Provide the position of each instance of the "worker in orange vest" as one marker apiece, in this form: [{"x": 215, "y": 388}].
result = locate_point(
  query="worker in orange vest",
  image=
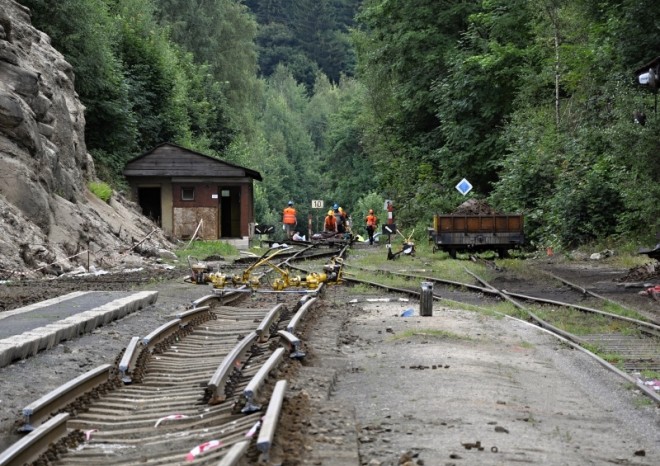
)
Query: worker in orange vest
[
  {"x": 372, "y": 222},
  {"x": 289, "y": 220},
  {"x": 330, "y": 224}
]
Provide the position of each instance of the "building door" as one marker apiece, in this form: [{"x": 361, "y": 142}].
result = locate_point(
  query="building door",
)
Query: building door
[
  {"x": 230, "y": 211},
  {"x": 149, "y": 202}
]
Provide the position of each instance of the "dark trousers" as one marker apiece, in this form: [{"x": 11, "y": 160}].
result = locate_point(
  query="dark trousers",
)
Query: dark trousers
[{"x": 370, "y": 232}]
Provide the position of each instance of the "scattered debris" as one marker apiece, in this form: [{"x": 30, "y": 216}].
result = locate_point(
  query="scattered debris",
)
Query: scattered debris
[
  {"x": 596, "y": 256},
  {"x": 470, "y": 446},
  {"x": 653, "y": 292},
  {"x": 644, "y": 273}
]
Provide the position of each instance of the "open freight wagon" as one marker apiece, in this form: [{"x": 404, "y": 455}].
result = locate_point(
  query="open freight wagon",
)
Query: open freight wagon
[{"x": 473, "y": 233}]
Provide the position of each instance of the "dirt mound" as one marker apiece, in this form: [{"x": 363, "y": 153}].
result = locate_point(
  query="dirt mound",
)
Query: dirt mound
[
  {"x": 643, "y": 273},
  {"x": 475, "y": 207}
]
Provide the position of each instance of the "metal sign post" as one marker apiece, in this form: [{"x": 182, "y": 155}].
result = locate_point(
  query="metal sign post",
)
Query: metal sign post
[{"x": 316, "y": 204}]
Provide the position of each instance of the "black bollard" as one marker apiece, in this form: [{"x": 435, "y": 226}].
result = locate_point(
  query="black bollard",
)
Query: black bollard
[{"x": 426, "y": 300}]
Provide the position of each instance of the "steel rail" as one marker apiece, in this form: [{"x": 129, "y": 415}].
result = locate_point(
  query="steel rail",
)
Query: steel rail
[
  {"x": 251, "y": 391},
  {"x": 574, "y": 342},
  {"x": 174, "y": 383},
  {"x": 488, "y": 289},
  {"x": 235, "y": 453},
  {"x": 162, "y": 333},
  {"x": 641, "y": 323},
  {"x": 229, "y": 296},
  {"x": 195, "y": 316},
  {"x": 508, "y": 296},
  {"x": 485, "y": 289},
  {"x": 264, "y": 330},
  {"x": 33, "y": 445},
  {"x": 591, "y": 293},
  {"x": 386, "y": 287},
  {"x": 236, "y": 358},
  {"x": 271, "y": 418},
  {"x": 128, "y": 360},
  {"x": 425, "y": 278},
  {"x": 293, "y": 344},
  {"x": 297, "y": 318},
  {"x": 64, "y": 395}
]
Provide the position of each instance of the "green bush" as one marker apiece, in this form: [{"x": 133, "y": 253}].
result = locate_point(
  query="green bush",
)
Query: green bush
[{"x": 101, "y": 190}]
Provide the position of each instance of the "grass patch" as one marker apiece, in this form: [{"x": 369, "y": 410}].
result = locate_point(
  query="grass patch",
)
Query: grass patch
[
  {"x": 628, "y": 261},
  {"x": 650, "y": 375},
  {"x": 614, "y": 308},
  {"x": 582, "y": 323},
  {"x": 613, "y": 358},
  {"x": 384, "y": 279},
  {"x": 101, "y": 190},
  {"x": 424, "y": 263},
  {"x": 643, "y": 402},
  {"x": 204, "y": 249},
  {"x": 362, "y": 289}
]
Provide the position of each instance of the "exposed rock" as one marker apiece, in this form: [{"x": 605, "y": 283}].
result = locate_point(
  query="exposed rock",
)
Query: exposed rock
[{"x": 49, "y": 221}]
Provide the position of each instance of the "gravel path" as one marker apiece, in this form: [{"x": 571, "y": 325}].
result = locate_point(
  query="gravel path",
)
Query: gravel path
[{"x": 431, "y": 386}]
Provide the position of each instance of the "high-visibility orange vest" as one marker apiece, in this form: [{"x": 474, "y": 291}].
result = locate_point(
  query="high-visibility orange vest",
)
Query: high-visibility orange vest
[
  {"x": 289, "y": 216},
  {"x": 372, "y": 220},
  {"x": 330, "y": 223}
]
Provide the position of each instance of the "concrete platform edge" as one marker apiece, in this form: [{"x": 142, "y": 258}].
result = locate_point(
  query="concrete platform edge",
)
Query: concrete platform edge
[{"x": 30, "y": 343}]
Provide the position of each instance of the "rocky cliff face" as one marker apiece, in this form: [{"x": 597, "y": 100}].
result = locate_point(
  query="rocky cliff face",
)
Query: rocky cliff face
[{"x": 47, "y": 214}]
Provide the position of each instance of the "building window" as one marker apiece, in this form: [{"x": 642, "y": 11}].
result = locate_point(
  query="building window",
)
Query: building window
[{"x": 187, "y": 194}]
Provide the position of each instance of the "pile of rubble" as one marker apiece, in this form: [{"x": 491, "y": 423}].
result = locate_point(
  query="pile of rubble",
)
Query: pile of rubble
[
  {"x": 646, "y": 273},
  {"x": 475, "y": 207}
]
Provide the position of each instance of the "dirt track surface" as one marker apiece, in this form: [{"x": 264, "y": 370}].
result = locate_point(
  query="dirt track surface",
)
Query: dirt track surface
[{"x": 377, "y": 389}]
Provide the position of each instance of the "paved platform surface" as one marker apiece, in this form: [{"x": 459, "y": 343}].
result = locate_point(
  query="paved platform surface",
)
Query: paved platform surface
[{"x": 26, "y": 331}]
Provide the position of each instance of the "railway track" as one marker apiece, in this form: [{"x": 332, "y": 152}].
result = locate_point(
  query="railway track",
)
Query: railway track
[
  {"x": 197, "y": 388},
  {"x": 169, "y": 414},
  {"x": 629, "y": 346}
]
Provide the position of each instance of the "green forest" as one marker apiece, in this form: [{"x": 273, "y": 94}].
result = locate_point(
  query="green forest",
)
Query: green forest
[{"x": 357, "y": 101}]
